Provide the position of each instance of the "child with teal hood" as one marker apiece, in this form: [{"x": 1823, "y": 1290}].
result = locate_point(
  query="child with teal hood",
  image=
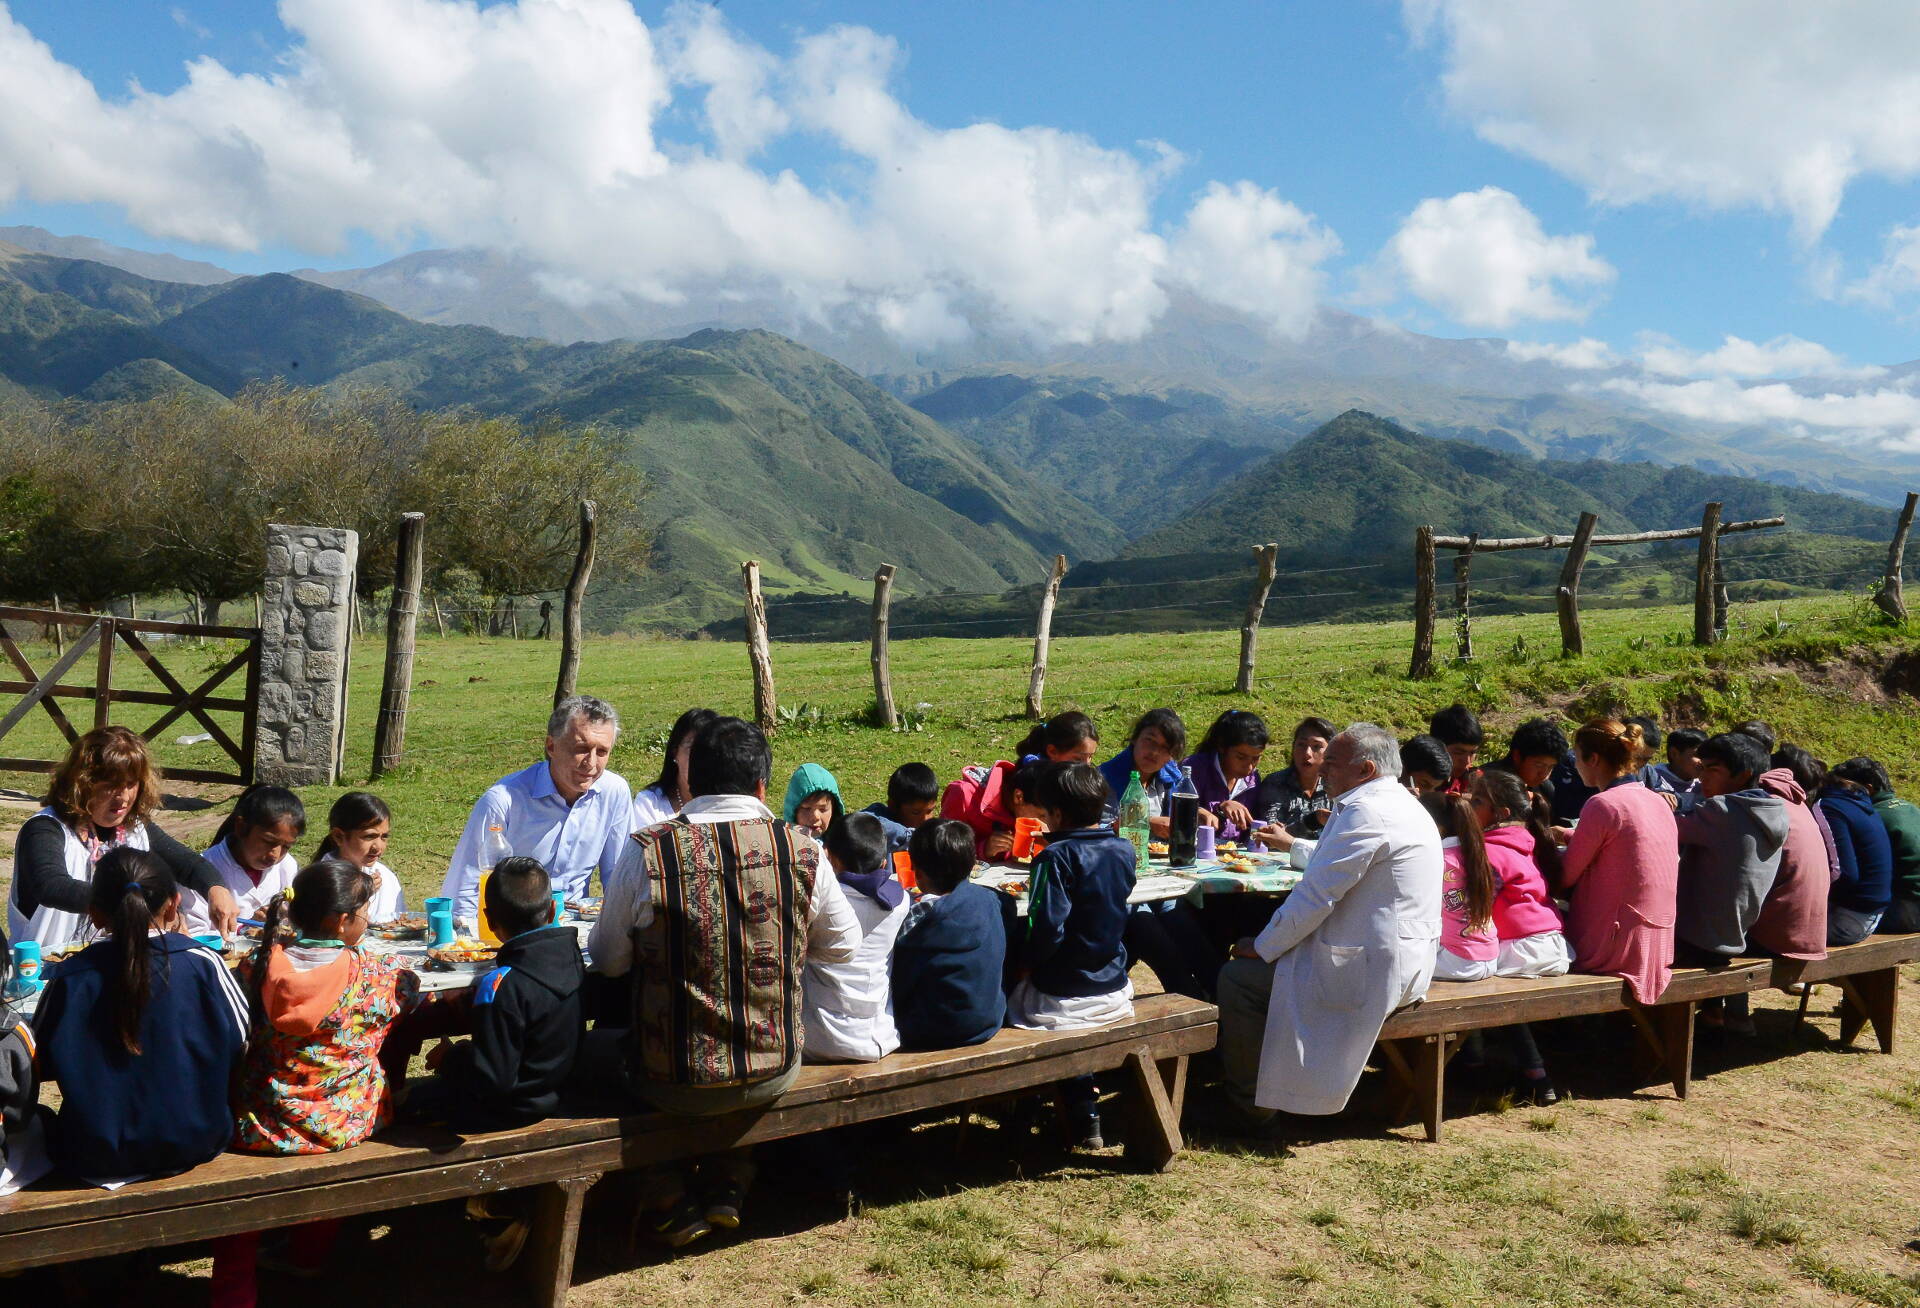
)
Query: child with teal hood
[{"x": 813, "y": 799}]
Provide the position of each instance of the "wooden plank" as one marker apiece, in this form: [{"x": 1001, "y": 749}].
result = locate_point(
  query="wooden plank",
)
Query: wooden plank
[
  {"x": 61, "y": 667},
  {"x": 1870, "y": 997},
  {"x": 103, "y": 676},
  {"x": 548, "y": 1258},
  {"x": 1631, "y": 538},
  {"x": 70, "y": 619},
  {"x": 1842, "y": 960},
  {"x": 250, "y": 715},
  {"x": 19, "y": 661},
  {"x": 151, "y": 697},
  {"x": 1153, "y": 1134},
  {"x": 1475, "y": 1005},
  {"x": 1430, "y": 1081},
  {"x": 190, "y": 702}
]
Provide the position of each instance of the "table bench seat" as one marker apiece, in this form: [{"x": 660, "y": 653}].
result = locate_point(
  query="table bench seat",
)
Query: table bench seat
[
  {"x": 1417, "y": 1042},
  {"x": 59, "y": 1221}
]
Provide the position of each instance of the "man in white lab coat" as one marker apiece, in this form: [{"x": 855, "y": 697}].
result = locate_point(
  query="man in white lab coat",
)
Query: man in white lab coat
[{"x": 1302, "y": 1003}]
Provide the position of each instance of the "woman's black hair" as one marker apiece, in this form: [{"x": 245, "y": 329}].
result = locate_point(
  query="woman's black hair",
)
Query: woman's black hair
[
  {"x": 131, "y": 888},
  {"x": 1426, "y": 754},
  {"x": 1505, "y": 793},
  {"x": 1456, "y": 725},
  {"x": 320, "y": 890},
  {"x": 1809, "y": 773},
  {"x": 260, "y": 805},
  {"x": 1028, "y": 778},
  {"x": 354, "y": 811},
  {"x": 1864, "y": 772},
  {"x": 1234, "y": 727},
  {"x": 1168, "y": 724},
  {"x": 1061, "y": 731},
  {"x": 685, "y": 728}
]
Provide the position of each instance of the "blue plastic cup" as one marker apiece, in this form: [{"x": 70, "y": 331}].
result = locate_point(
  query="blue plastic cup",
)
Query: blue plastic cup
[
  {"x": 26, "y": 977},
  {"x": 437, "y": 904},
  {"x": 440, "y": 928},
  {"x": 559, "y": 906},
  {"x": 215, "y": 943}
]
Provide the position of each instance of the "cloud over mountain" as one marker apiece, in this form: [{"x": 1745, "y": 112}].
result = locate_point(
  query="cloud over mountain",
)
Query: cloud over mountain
[{"x": 557, "y": 130}]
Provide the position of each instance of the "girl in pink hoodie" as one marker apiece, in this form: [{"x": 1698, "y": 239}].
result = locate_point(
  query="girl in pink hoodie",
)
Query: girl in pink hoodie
[
  {"x": 1532, "y": 936},
  {"x": 1468, "y": 949}
]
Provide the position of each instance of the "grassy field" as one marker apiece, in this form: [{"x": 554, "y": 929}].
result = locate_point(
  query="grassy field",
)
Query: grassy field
[{"x": 1788, "y": 1178}]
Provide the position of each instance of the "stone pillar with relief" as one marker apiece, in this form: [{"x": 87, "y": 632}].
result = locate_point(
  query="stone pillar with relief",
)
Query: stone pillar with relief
[{"x": 306, "y": 626}]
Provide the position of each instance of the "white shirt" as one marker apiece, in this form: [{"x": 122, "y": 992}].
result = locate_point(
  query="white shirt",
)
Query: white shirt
[
  {"x": 650, "y": 806},
  {"x": 833, "y": 932},
  {"x": 253, "y": 896},
  {"x": 849, "y": 1006},
  {"x": 569, "y": 840}
]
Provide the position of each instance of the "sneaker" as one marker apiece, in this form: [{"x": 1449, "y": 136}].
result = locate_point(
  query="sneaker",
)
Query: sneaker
[
  {"x": 678, "y": 1226},
  {"x": 1537, "y": 1091},
  {"x": 723, "y": 1205},
  {"x": 503, "y": 1249},
  {"x": 1740, "y": 1024},
  {"x": 1086, "y": 1128}
]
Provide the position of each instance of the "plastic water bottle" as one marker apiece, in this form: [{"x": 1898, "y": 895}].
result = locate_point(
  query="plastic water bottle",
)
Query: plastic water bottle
[
  {"x": 1183, "y": 807},
  {"x": 492, "y": 850},
  {"x": 1135, "y": 814}
]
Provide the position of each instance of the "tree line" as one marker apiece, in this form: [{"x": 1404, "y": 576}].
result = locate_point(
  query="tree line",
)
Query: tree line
[{"x": 173, "y": 493}]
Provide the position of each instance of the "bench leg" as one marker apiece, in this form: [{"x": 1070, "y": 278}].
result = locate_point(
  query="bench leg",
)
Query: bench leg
[
  {"x": 548, "y": 1257},
  {"x": 1423, "y": 1079},
  {"x": 1665, "y": 1051},
  {"x": 1155, "y": 1092},
  {"x": 1870, "y": 997}
]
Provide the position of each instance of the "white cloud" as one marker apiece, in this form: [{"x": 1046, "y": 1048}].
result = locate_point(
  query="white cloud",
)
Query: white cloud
[
  {"x": 1586, "y": 354},
  {"x": 1482, "y": 258},
  {"x": 1248, "y": 249},
  {"x": 1783, "y": 356},
  {"x": 1776, "y": 104},
  {"x": 620, "y": 159},
  {"x": 1896, "y": 276},
  {"x": 1888, "y": 417}
]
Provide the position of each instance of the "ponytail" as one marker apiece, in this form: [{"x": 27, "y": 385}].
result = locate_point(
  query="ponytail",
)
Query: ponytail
[
  {"x": 1060, "y": 732},
  {"x": 328, "y": 888},
  {"x": 1509, "y": 800},
  {"x": 262, "y": 804},
  {"x": 131, "y": 889}
]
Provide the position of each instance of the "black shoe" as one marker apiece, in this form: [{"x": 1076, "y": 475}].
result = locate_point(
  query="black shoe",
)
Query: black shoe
[
  {"x": 1086, "y": 1128},
  {"x": 675, "y": 1227},
  {"x": 1537, "y": 1091}
]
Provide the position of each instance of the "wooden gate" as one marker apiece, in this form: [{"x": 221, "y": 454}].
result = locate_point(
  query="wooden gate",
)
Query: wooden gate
[{"x": 97, "y": 641}]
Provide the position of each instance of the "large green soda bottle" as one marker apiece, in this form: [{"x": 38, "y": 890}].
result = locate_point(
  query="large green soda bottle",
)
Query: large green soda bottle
[{"x": 1135, "y": 813}]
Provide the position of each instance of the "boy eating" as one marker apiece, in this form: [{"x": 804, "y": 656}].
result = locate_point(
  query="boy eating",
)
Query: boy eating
[
  {"x": 913, "y": 797},
  {"x": 951, "y": 954}
]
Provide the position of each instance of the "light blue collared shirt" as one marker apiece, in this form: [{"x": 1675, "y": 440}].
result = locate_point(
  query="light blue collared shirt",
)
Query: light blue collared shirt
[{"x": 570, "y": 840}]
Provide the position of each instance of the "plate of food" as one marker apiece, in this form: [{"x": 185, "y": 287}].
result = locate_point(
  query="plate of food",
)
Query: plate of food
[
  {"x": 408, "y": 926},
  {"x": 1017, "y": 886},
  {"x": 584, "y": 909},
  {"x": 461, "y": 954},
  {"x": 1158, "y": 848}
]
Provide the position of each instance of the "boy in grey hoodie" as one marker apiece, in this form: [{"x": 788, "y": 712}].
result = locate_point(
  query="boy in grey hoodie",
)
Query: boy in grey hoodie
[{"x": 1729, "y": 852}]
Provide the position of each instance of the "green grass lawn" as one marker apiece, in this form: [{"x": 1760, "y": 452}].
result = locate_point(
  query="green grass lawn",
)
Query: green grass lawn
[{"x": 479, "y": 705}]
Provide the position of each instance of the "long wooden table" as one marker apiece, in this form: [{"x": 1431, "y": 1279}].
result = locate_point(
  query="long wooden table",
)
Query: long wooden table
[
  {"x": 60, "y": 1220},
  {"x": 1419, "y": 1041}
]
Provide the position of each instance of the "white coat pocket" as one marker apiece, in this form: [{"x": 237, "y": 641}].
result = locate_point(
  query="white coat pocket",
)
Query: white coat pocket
[{"x": 1339, "y": 976}]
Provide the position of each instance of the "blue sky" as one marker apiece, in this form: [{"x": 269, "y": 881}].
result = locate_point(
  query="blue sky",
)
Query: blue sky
[{"x": 1334, "y": 108}]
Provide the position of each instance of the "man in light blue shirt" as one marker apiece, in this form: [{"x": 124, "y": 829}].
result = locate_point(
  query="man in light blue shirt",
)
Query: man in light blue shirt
[{"x": 567, "y": 811}]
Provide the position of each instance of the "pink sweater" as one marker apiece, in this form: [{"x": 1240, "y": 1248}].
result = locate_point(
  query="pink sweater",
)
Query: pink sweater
[
  {"x": 1793, "y": 920},
  {"x": 1475, "y": 947},
  {"x": 1622, "y": 868},
  {"x": 1522, "y": 908}
]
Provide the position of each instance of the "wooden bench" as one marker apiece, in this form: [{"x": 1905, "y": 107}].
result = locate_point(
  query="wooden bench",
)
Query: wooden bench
[
  {"x": 1418, "y": 1042},
  {"x": 61, "y": 1221}
]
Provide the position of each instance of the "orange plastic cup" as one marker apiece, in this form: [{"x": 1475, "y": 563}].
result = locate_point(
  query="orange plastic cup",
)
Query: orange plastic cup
[
  {"x": 1025, "y": 830},
  {"x": 903, "y": 869}
]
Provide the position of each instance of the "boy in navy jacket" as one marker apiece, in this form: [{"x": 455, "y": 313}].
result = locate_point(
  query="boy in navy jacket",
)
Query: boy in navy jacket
[
  {"x": 1076, "y": 920},
  {"x": 527, "y": 1017},
  {"x": 951, "y": 954}
]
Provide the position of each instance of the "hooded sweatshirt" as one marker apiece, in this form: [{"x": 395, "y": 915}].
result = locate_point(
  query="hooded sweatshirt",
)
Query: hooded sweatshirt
[
  {"x": 948, "y": 962},
  {"x": 1729, "y": 855},
  {"x": 1522, "y": 907},
  {"x": 19, "y": 1090},
  {"x": 810, "y": 779},
  {"x": 980, "y": 797},
  {"x": 1865, "y": 883},
  {"x": 527, "y": 1023},
  {"x": 1902, "y": 821},
  {"x": 1793, "y": 921}
]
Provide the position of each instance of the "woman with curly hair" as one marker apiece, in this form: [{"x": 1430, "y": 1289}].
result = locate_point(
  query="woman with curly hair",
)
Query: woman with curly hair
[{"x": 102, "y": 796}]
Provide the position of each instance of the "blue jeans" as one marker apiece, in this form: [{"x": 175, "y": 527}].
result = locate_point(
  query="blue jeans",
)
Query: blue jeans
[{"x": 1845, "y": 926}]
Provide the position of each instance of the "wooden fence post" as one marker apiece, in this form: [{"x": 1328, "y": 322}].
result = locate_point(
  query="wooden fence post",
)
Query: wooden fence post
[
  {"x": 1703, "y": 574},
  {"x": 1463, "y": 601},
  {"x": 759, "y": 651},
  {"x": 403, "y": 617},
  {"x": 575, "y": 601},
  {"x": 1567, "y": 597},
  {"x": 59, "y": 632},
  {"x": 1422, "y": 665},
  {"x": 1891, "y": 597},
  {"x": 1719, "y": 597},
  {"x": 439, "y": 618},
  {"x": 1256, "y": 606},
  {"x": 1043, "y": 631},
  {"x": 882, "y": 674}
]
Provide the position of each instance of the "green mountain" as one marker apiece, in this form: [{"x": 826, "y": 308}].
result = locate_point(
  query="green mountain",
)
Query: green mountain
[{"x": 758, "y": 447}]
